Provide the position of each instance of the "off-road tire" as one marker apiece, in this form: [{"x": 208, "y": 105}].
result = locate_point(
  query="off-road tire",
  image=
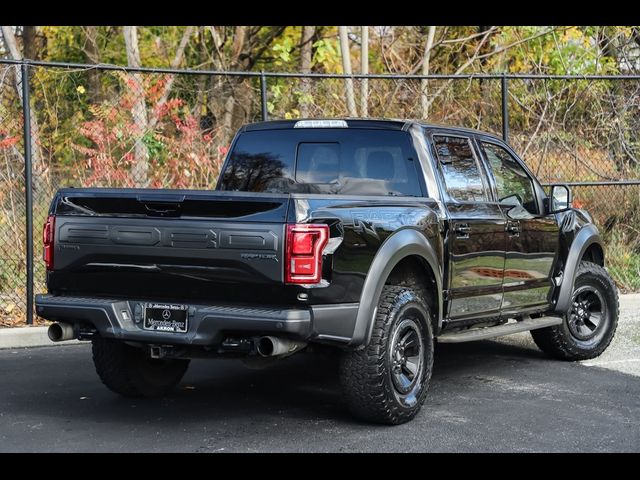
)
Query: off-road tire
[
  {"x": 559, "y": 341},
  {"x": 366, "y": 375},
  {"x": 130, "y": 372}
]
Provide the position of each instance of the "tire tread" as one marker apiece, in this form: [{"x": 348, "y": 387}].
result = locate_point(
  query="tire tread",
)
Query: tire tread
[
  {"x": 554, "y": 341},
  {"x": 116, "y": 363},
  {"x": 362, "y": 372}
]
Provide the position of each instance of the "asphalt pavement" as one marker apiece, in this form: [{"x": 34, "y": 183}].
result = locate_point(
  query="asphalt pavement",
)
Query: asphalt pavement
[{"x": 492, "y": 396}]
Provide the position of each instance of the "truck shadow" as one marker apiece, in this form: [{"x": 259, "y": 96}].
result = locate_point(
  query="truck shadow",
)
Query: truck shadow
[{"x": 303, "y": 387}]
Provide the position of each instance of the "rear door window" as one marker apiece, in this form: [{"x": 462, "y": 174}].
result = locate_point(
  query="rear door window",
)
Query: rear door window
[
  {"x": 460, "y": 168},
  {"x": 329, "y": 161}
]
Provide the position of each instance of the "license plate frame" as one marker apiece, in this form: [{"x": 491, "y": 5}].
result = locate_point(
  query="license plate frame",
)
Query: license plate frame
[{"x": 166, "y": 317}]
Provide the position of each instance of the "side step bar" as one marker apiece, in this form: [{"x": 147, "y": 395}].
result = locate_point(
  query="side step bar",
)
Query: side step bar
[{"x": 492, "y": 332}]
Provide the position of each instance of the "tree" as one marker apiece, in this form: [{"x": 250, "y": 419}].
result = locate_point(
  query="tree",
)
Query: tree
[
  {"x": 364, "y": 69},
  {"x": 92, "y": 55},
  {"x": 40, "y": 172},
  {"x": 29, "y": 42},
  {"x": 306, "y": 56},
  {"x": 424, "y": 84},
  {"x": 346, "y": 69},
  {"x": 140, "y": 170},
  {"x": 237, "y": 46},
  {"x": 145, "y": 123}
]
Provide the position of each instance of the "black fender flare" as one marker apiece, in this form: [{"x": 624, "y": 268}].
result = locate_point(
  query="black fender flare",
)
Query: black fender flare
[
  {"x": 397, "y": 246},
  {"x": 587, "y": 236}
]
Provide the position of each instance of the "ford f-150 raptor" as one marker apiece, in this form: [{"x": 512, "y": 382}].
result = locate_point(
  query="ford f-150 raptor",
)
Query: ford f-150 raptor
[{"x": 375, "y": 237}]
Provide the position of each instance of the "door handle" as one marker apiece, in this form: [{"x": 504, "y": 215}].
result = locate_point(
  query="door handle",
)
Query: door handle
[
  {"x": 513, "y": 229},
  {"x": 462, "y": 230}
]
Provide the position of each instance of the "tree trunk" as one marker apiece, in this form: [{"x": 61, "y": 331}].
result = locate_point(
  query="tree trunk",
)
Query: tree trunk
[
  {"x": 92, "y": 55},
  {"x": 216, "y": 83},
  {"x": 346, "y": 67},
  {"x": 364, "y": 69},
  {"x": 40, "y": 172},
  {"x": 485, "y": 85},
  {"x": 617, "y": 148},
  {"x": 29, "y": 46},
  {"x": 306, "y": 55},
  {"x": 424, "y": 84},
  {"x": 140, "y": 170},
  {"x": 239, "y": 38}
]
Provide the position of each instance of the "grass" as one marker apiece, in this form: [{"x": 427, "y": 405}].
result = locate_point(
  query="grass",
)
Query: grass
[{"x": 622, "y": 254}]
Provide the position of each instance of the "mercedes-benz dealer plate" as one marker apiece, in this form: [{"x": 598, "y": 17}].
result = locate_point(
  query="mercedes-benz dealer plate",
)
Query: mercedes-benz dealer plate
[{"x": 166, "y": 317}]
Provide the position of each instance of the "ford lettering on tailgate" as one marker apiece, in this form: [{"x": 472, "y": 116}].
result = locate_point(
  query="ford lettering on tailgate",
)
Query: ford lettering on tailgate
[{"x": 192, "y": 238}]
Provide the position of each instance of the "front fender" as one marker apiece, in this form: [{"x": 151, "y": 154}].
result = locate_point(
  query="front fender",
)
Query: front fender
[
  {"x": 397, "y": 246},
  {"x": 587, "y": 236}
]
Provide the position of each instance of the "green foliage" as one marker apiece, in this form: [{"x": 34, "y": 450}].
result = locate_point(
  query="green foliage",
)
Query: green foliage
[
  {"x": 326, "y": 55},
  {"x": 64, "y": 43},
  {"x": 283, "y": 48},
  {"x": 156, "y": 148}
]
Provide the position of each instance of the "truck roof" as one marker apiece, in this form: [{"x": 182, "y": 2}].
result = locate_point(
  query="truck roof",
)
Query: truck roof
[{"x": 370, "y": 123}]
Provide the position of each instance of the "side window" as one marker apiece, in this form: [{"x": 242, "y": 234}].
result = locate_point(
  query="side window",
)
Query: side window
[
  {"x": 512, "y": 182},
  {"x": 460, "y": 168}
]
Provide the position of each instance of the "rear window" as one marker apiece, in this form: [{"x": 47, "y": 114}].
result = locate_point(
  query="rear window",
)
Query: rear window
[{"x": 332, "y": 161}]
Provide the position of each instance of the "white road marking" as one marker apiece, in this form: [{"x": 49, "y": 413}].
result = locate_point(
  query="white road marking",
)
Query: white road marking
[{"x": 608, "y": 362}]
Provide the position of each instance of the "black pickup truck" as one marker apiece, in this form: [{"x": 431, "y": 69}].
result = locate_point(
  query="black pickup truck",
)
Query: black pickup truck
[{"x": 373, "y": 237}]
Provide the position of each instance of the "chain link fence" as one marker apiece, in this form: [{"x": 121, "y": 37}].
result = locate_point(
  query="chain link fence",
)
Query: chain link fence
[
  {"x": 13, "y": 214},
  {"x": 106, "y": 126}
]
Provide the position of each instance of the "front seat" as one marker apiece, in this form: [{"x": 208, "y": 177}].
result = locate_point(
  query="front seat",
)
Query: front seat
[{"x": 380, "y": 165}]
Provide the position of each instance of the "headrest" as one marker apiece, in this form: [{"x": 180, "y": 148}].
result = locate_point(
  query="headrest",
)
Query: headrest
[{"x": 380, "y": 165}]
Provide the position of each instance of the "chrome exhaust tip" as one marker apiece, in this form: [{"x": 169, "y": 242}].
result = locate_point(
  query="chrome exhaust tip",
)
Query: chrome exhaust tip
[
  {"x": 274, "y": 346},
  {"x": 59, "y": 332}
]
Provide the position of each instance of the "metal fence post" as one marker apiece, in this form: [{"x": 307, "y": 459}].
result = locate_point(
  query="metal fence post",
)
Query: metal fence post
[
  {"x": 263, "y": 96},
  {"x": 505, "y": 110},
  {"x": 28, "y": 188}
]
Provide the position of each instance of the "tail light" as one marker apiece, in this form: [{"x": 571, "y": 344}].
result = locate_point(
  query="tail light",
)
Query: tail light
[
  {"x": 303, "y": 264},
  {"x": 47, "y": 241}
]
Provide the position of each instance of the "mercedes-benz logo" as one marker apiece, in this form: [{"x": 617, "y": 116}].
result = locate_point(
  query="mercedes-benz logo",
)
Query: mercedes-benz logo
[{"x": 166, "y": 314}]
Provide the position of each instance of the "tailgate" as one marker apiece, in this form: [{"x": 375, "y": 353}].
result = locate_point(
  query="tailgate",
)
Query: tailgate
[{"x": 166, "y": 241}]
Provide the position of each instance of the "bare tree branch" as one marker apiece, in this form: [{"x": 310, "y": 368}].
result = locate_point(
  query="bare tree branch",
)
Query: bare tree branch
[{"x": 476, "y": 56}]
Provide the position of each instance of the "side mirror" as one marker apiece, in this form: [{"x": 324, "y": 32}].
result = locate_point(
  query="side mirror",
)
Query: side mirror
[{"x": 560, "y": 198}]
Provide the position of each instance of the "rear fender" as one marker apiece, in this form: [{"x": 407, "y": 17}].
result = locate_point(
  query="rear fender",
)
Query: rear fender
[{"x": 401, "y": 244}]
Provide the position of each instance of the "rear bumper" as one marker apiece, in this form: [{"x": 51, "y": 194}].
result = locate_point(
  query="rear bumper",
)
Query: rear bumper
[{"x": 208, "y": 324}]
